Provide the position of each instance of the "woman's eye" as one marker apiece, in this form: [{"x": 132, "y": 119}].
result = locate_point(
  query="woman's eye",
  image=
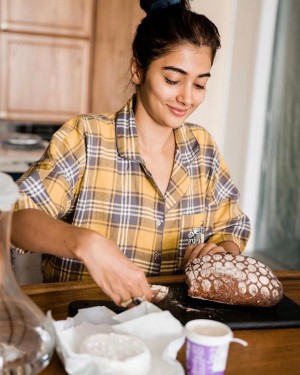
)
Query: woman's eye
[
  {"x": 170, "y": 82},
  {"x": 200, "y": 87}
]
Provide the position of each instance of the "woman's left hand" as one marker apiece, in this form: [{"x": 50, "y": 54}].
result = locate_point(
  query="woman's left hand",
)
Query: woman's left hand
[{"x": 194, "y": 251}]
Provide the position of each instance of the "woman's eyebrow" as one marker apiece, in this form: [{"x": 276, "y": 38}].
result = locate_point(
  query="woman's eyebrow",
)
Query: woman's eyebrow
[{"x": 179, "y": 70}]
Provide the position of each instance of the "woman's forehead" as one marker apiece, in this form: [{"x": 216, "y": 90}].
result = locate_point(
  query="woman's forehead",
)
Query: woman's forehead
[{"x": 186, "y": 57}]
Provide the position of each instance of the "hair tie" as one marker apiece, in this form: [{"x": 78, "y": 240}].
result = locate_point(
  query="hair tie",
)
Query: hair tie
[{"x": 163, "y": 4}]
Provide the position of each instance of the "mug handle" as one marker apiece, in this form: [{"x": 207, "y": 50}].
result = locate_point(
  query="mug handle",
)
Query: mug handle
[{"x": 239, "y": 341}]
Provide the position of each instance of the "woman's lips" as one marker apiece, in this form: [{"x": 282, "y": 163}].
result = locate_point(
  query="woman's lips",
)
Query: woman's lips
[{"x": 177, "y": 111}]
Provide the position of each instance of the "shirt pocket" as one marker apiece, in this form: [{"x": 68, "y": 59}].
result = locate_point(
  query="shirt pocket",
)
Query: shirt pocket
[{"x": 189, "y": 226}]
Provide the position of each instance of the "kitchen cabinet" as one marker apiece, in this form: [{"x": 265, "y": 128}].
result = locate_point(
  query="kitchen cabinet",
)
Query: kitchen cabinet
[
  {"x": 57, "y": 17},
  {"x": 116, "y": 22},
  {"x": 60, "y": 58},
  {"x": 43, "y": 78},
  {"x": 45, "y": 49}
]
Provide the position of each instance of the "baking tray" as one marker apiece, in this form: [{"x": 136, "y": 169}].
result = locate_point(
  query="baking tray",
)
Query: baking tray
[{"x": 285, "y": 314}]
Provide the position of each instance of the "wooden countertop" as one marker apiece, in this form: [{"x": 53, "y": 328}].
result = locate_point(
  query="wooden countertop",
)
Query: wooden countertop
[{"x": 270, "y": 351}]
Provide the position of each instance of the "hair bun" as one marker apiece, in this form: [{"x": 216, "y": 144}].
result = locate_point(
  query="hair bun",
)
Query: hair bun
[
  {"x": 150, "y": 5},
  {"x": 146, "y": 5}
]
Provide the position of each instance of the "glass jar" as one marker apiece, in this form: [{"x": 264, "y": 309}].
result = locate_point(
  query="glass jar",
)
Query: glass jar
[{"x": 27, "y": 336}]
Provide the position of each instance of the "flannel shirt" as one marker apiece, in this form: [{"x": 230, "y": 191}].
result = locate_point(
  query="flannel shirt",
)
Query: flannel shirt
[{"x": 92, "y": 175}]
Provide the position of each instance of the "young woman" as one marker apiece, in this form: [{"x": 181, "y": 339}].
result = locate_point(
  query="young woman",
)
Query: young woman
[{"x": 118, "y": 197}]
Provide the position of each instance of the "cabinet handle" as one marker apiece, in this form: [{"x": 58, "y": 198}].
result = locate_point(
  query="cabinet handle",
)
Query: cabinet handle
[{"x": 4, "y": 26}]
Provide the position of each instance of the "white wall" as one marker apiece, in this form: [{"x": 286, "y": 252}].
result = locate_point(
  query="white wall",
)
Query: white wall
[
  {"x": 250, "y": 171},
  {"x": 234, "y": 109},
  {"x": 212, "y": 113}
]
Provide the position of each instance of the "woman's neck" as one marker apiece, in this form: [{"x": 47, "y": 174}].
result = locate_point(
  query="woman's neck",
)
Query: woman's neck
[
  {"x": 157, "y": 149},
  {"x": 154, "y": 139},
  {"x": 152, "y": 136}
]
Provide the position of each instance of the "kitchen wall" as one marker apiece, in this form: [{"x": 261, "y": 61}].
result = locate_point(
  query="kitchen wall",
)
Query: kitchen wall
[{"x": 235, "y": 107}]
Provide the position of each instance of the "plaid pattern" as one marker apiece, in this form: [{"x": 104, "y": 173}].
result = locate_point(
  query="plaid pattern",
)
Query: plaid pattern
[{"x": 92, "y": 175}]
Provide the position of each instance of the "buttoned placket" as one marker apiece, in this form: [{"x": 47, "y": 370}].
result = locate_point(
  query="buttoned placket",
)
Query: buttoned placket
[
  {"x": 157, "y": 254},
  {"x": 159, "y": 226}
]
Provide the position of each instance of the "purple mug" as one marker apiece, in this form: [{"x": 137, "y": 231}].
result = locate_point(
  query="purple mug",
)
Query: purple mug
[{"x": 207, "y": 344}]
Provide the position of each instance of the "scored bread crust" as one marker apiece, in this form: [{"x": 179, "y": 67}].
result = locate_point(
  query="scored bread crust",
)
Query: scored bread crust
[{"x": 233, "y": 279}]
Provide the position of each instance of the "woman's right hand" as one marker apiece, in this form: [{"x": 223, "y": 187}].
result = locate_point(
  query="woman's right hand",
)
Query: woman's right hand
[{"x": 117, "y": 275}]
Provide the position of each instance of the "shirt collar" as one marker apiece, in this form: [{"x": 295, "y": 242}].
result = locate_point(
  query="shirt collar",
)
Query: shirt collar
[
  {"x": 127, "y": 138},
  {"x": 186, "y": 143},
  {"x": 126, "y": 134}
]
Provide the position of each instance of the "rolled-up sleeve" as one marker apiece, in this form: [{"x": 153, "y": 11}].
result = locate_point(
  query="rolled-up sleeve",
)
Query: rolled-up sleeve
[{"x": 52, "y": 183}]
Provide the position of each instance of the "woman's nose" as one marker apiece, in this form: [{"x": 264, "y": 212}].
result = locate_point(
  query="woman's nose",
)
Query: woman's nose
[{"x": 185, "y": 96}]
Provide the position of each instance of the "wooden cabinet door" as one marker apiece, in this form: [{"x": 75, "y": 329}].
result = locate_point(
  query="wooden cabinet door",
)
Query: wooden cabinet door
[
  {"x": 43, "y": 78},
  {"x": 115, "y": 26},
  {"x": 56, "y": 17}
]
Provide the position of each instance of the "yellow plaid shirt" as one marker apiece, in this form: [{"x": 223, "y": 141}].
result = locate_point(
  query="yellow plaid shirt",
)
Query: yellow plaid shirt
[{"x": 92, "y": 175}]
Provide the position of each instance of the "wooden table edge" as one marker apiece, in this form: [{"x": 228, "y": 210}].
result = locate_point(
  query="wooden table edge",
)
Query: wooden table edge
[{"x": 33, "y": 289}]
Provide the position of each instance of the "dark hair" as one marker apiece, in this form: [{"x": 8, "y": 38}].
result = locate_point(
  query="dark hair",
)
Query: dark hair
[{"x": 167, "y": 26}]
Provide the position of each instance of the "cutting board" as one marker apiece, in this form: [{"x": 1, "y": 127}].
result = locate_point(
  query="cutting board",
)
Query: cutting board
[{"x": 283, "y": 315}]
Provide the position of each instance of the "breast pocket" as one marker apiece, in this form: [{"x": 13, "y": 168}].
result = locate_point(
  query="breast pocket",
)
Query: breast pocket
[{"x": 192, "y": 230}]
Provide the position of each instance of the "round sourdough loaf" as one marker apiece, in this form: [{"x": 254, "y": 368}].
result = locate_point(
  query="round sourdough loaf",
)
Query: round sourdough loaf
[{"x": 233, "y": 279}]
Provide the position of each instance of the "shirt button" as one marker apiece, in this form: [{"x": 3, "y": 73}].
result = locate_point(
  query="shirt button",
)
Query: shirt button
[
  {"x": 156, "y": 255},
  {"x": 158, "y": 222}
]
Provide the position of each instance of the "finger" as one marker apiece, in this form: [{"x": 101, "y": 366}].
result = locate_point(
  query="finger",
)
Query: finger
[
  {"x": 116, "y": 288},
  {"x": 207, "y": 248},
  {"x": 138, "y": 284},
  {"x": 195, "y": 254},
  {"x": 141, "y": 288},
  {"x": 134, "y": 287},
  {"x": 117, "y": 293},
  {"x": 201, "y": 250},
  {"x": 217, "y": 249},
  {"x": 147, "y": 292},
  {"x": 126, "y": 300},
  {"x": 116, "y": 298},
  {"x": 127, "y": 303},
  {"x": 135, "y": 298},
  {"x": 188, "y": 252},
  {"x": 132, "y": 302}
]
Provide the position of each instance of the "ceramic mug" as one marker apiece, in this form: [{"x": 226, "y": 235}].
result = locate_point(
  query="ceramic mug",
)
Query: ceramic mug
[{"x": 207, "y": 344}]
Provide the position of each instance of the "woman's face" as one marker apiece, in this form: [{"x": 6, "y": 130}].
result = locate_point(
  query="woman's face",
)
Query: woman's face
[{"x": 173, "y": 87}]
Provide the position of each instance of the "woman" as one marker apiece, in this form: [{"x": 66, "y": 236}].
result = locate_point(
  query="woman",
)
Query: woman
[{"x": 137, "y": 193}]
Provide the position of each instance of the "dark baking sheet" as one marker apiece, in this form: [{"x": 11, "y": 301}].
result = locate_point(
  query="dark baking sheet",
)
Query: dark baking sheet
[{"x": 283, "y": 315}]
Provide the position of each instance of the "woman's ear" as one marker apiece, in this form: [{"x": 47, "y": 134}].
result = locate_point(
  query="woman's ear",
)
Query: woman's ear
[{"x": 136, "y": 72}]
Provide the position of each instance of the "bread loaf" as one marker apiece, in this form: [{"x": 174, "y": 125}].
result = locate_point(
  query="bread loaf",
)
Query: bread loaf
[
  {"x": 233, "y": 279},
  {"x": 160, "y": 292}
]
